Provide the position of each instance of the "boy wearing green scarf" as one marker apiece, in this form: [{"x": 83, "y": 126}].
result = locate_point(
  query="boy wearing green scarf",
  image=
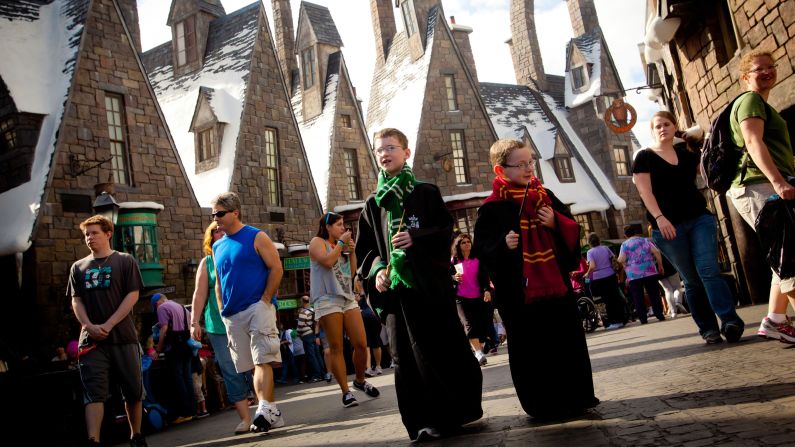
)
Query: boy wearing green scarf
[{"x": 403, "y": 243}]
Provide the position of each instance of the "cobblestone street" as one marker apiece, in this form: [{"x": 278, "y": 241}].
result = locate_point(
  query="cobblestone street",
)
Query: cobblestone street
[{"x": 659, "y": 385}]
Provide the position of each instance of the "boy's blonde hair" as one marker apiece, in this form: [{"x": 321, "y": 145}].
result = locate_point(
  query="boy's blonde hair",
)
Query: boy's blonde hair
[
  {"x": 502, "y": 149},
  {"x": 748, "y": 58},
  {"x": 390, "y": 132}
]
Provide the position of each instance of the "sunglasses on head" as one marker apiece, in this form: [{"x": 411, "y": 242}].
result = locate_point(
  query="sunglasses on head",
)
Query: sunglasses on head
[
  {"x": 220, "y": 213},
  {"x": 329, "y": 214}
]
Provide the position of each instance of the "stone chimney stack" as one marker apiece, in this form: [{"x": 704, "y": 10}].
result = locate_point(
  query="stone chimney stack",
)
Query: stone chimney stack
[
  {"x": 285, "y": 39},
  {"x": 583, "y": 16},
  {"x": 461, "y": 35},
  {"x": 384, "y": 28},
  {"x": 525, "y": 51},
  {"x": 129, "y": 12}
]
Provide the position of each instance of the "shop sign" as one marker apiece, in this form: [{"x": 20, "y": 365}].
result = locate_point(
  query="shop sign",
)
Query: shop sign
[
  {"x": 296, "y": 263},
  {"x": 289, "y": 303}
]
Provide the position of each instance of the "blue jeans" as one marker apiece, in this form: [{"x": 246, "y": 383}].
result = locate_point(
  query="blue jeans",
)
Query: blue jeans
[
  {"x": 237, "y": 384},
  {"x": 313, "y": 356},
  {"x": 694, "y": 254}
]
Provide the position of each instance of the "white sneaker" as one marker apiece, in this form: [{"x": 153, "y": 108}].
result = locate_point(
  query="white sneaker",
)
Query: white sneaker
[
  {"x": 266, "y": 418},
  {"x": 369, "y": 372},
  {"x": 427, "y": 434},
  {"x": 481, "y": 358},
  {"x": 378, "y": 370}
]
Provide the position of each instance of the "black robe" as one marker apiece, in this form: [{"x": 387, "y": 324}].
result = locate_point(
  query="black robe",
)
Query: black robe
[
  {"x": 549, "y": 360},
  {"x": 437, "y": 378}
]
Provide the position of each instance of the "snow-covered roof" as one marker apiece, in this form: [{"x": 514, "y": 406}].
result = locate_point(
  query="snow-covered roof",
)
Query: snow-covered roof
[
  {"x": 514, "y": 110},
  {"x": 323, "y": 24},
  {"x": 398, "y": 87},
  {"x": 40, "y": 44},
  {"x": 317, "y": 133},
  {"x": 590, "y": 46},
  {"x": 226, "y": 69}
]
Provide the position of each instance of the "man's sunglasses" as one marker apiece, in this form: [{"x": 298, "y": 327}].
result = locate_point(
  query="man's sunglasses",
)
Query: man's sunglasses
[{"x": 220, "y": 214}]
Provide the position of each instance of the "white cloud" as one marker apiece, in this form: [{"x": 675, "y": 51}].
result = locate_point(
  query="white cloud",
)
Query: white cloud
[{"x": 622, "y": 22}]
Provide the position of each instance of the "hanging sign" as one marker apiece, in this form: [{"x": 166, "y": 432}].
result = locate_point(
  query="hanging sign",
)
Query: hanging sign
[{"x": 620, "y": 117}]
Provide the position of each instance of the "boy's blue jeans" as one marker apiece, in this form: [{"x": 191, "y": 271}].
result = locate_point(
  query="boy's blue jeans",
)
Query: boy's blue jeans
[{"x": 694, "y": 254}]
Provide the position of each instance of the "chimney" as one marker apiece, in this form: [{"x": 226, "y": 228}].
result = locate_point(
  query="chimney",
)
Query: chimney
[
  {"x": 285, "y": 35},
  {"x": 525, "y": 51},
  {"x": 129, "y": 12},
  {"x": 461, "y": 36},
  {"x": 384, "y": 28},
  {"x": 583, "y": 16}
]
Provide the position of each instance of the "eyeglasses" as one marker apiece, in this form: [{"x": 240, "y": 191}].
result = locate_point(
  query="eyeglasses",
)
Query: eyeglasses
[
  {"x": 525, "y": 165},
  {"x": 386, "y": 149},
  {"x": 220, "y": 214},
  {"x": 768, "y": 69}
]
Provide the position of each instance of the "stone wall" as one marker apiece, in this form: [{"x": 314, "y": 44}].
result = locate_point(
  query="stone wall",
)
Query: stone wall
[{"x": 107, "y": 64}]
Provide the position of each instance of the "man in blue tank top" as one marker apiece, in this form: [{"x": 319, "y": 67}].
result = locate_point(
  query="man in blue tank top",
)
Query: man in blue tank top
[{"x": 248, "y": 271}]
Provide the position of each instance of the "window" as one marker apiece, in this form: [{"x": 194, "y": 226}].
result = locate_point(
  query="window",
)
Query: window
[
  {"x": 621, "y": 154},
  {"x": 449, "y": 85},
  {"x": 140, "y": 241},
  {"x": 114, "y": 109},
  {"x": 586, "y": 227},
  {"x": 724, "y": 38},
  {"x": 207, "y": 144},
  {"x": 346, "y": 121},
  {"x": 308, "y": 67},
  {"x": 577, "y": 77},
  {"x": 465, "y": 220},
  {"x": 352, "y": 174},
  {"x": 272, "y": 167},
  {"x": 407, "y": 8},
  {"x": 563, "y": 169},
  {"x": 8, "y": 133},
  {"x": 186, "y": 42},
  {"x": 459, "y": 156}
]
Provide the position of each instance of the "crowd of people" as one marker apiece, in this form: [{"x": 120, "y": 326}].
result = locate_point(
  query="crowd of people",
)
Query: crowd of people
[{"x": 442, "y": 306}]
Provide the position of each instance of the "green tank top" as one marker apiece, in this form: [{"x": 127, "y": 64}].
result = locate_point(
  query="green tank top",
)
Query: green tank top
[{"x": 212, "y": 318}]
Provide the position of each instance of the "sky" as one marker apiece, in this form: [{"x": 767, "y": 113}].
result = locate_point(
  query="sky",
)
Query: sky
[{"x": 622, "y": 22}]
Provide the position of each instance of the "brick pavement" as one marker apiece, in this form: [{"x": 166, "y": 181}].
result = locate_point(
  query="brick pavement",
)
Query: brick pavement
[{"x": 659, "y": 385}]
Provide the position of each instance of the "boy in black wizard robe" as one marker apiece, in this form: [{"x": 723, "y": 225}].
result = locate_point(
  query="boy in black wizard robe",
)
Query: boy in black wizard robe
[
  {"x": 528, "y": 255},
  {"x": 403, "y": 239}
]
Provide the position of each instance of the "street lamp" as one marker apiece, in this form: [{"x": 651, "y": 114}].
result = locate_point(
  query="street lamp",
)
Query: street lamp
[{"x": 106, "y": 206}]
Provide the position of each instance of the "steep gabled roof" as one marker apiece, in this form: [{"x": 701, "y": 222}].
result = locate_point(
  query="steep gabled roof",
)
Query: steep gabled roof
[
  {"x": 41, "y": 42},
  {"x": 213, "y": 7},
  {"x": 398, "y": 86},
  {"x": 516, "y": 109},
  {"x": 226, "y": 69},
  {"x": 323, "y": 24}
]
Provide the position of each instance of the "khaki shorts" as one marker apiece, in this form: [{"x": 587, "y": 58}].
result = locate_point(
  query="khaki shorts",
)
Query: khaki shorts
[
  {"x": 749, "y": 201},
  {"x": 253, "y": 336}
]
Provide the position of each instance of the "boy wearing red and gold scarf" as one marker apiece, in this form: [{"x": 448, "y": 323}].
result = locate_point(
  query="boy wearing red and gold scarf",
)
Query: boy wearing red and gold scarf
[{"x": 528, "y": 241}]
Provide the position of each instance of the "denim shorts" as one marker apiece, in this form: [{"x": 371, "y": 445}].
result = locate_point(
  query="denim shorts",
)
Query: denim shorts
[{"x": 331, "y": 304}]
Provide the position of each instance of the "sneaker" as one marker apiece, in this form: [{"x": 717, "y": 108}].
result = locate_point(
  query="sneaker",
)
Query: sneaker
[
  {"x": 138, "y": 440},
  {"x": 266, "y": 418},
  {"x": 202, "y": 415},
  {"x": 712, "y": 338},
  {"x": 367, "y": 387},
  {"x": 181, "y": 419},
  {"x": 348, "y": 400},
  {"x": 614, "y": 326},
  {"x": 732, "y": 332},
  {"x": 427, "y": 434},
  {"x": 481, "y": 358},
  {"x": 369, "y": 372},
  {"x": 784, "y": 332},
  {"x": 328, "y": 377},
  {"x": 243, "y": 427},
  {"x": 378, "y": 371}
]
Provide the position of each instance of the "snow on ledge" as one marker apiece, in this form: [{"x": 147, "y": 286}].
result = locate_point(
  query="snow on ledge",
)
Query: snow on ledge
[
  {"x": 466, "y": 196},
  {"x": 141, "y": 205}
]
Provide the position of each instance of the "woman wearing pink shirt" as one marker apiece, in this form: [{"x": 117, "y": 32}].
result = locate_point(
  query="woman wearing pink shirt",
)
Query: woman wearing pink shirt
[{"x": 472, "y": 294}]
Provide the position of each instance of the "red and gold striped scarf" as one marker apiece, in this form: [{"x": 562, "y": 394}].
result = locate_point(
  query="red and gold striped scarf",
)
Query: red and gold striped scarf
[{"x": 542, "y": 277}]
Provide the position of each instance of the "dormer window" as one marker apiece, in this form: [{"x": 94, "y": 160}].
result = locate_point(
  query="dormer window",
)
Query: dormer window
[
  {"x": 208, "y": 146},
  {"x": 563, "y": 169},
  {"x": 186, "y": 41},
  {"x": 308, "y": 66},
  {"x": 578, "y": 77},
  {"x": 409, "y": 20},
  {"x": 8, "y": 133}
]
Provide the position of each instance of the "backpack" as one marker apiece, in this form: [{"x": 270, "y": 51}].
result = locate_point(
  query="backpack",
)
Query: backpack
[{"x": 719, "y": 155}]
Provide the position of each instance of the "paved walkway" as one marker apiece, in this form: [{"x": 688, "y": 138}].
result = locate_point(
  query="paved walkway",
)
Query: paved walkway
[{"x": 659, "y": 385}]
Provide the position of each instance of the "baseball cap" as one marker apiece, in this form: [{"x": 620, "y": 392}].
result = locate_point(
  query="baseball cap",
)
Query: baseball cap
[{"x": 155, "y": 298}]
